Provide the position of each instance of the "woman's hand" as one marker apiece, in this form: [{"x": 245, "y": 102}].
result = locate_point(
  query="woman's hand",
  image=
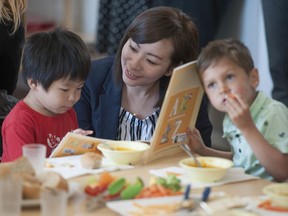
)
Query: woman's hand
[{"x": 82, "y": 132}]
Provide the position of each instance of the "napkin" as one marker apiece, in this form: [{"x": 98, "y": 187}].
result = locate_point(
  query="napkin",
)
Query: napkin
[
  {"x": 235, "y": 174},
  {"x": 70, "y": 167}
]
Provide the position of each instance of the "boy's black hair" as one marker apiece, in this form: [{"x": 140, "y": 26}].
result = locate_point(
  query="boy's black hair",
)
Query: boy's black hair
[{"x": 53, "y": 55}]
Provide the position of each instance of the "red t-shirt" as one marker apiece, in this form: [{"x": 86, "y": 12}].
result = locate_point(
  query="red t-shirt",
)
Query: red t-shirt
[{"x": 24, "y": 125}]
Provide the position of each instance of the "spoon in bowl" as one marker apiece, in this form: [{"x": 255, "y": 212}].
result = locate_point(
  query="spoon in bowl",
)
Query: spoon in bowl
[{"x": 187, "y": 149}]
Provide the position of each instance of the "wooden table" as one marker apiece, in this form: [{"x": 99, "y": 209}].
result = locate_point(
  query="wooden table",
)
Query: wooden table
[{"x": 246, "y": 188}]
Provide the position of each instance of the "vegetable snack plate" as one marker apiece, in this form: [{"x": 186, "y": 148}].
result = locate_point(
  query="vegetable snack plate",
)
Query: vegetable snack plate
[
  {"x": 73, "y": 187},
  {"x": 149, "y": 206}
]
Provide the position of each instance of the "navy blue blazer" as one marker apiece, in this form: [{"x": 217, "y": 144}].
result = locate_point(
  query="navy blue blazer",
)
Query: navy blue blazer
[{"x": 100, "y": 101}]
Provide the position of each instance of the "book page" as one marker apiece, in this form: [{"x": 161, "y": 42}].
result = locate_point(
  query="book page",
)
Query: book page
[
  {"x": 176, "y": 119},
  {"x": 179, "y": 111},
  {"x": 75, "y": 144}
]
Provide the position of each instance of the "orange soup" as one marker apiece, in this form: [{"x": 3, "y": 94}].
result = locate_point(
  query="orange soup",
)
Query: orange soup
[
  {"x": 204, "y": 165},
  {"x": 118, "y": 148}
]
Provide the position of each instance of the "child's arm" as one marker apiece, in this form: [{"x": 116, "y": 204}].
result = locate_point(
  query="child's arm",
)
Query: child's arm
[
  {"x": 274, "y": 161},
  {"x": 83, "y": 132},
  {"x": 197, "y": 145}
]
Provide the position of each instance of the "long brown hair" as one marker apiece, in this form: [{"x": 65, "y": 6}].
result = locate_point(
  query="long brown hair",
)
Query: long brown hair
[
  {"x": 159, "y": 23},
  {"x": 13, "y": 11}
]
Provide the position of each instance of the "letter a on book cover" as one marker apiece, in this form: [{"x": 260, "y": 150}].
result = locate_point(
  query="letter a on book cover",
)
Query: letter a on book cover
[{"x": 179, "y": 111}]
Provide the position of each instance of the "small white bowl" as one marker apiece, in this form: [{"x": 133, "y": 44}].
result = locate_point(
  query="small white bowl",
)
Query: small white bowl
[
  {"x": 277, "y": 193},
  {"x": 213, "y": 170},
  {"x": 123, "y": 152}
]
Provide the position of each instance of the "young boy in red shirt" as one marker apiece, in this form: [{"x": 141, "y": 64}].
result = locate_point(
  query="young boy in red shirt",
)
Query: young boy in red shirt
[{"x": 55, "y": 65}]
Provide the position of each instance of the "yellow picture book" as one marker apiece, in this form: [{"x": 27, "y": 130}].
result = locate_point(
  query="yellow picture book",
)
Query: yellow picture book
[{"x": 179, "y": 111}]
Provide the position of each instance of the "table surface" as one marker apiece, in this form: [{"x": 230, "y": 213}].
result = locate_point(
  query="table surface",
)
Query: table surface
[{"x": 246, "y": 188}]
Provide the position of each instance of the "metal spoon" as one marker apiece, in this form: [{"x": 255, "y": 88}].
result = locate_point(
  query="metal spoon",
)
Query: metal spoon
[{"x": 187, "y": 149}]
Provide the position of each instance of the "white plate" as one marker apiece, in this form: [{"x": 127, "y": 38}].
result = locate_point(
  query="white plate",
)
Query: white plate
[
  {"x": 127, "y": 207},
  {"x": 73, "y": 187},
  {"x": 70, "y": 166},
  {"x": 261, "y": 211}
]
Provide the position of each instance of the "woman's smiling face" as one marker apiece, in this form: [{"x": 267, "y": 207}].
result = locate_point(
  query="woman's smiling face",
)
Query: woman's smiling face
[{"x": 144, "y": 64}]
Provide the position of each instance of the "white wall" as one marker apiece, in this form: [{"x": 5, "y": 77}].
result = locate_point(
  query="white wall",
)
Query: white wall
[
  {"x": 78, "y": 15},
  {"x": 244, "y": 20},
  {"x": 49, "y": 10},
  {"x": 85, "y": 16}
]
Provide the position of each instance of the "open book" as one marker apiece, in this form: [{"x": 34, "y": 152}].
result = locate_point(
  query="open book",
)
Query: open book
[
  {"x": 179, "y": 111},
  {"x": 75, "y": 144}
]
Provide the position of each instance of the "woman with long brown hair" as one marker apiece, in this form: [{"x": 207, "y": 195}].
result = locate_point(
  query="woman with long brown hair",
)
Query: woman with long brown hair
[{"x": 122, "y": 96}]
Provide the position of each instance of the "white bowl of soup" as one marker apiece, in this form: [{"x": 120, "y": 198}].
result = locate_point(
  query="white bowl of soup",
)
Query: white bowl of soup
[
  {"x": 123, "y": 152},
  {"x": 213, "y": 168}
]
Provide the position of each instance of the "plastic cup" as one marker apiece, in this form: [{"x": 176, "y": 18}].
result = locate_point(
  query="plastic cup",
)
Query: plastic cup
[
  {"x": 10, "y": 196},
  {"x": 53, "y": 202},
  {"x": 36, "y": 154}
]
